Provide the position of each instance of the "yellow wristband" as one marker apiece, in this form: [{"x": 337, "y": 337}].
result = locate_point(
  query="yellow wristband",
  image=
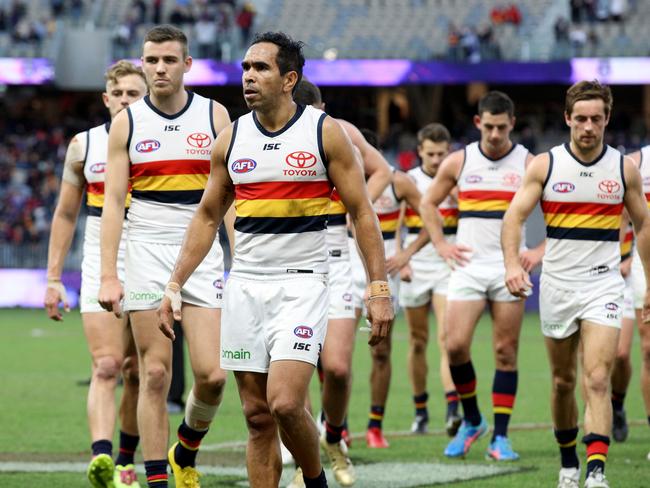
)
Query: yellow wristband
[{"x": 379, "y": 289}]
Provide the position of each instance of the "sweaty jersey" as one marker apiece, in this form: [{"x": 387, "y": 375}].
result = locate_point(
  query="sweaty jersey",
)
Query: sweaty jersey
[
  {"x": 387, "y": 207},
  {"x": 582, "y": 205},
  {"x": 282, "y": 194},
  {"x": 170, "y": 164},
  {"x": 427, "y": 256},
  {"x": 486, "y": 187}
]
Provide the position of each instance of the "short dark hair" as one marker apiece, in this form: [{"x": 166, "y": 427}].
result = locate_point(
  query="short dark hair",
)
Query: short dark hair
[
  {"x": 306, "y": 93},
  {"x": 496, "y": 102},
  {"x": 290, "y": 56},
  {"x": 165, "y": 32},
  {"x": 588, "y": 90},
  {"x": 434, "y": 133}
]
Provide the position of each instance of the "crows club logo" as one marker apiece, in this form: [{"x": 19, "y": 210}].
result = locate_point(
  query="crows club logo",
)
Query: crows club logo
[
  {"x": 609, "y": 186},
  {"x": 563, "y": 187},
  {"x": 303, "y": 332},
  {"x": 512, "y": 179},
  {"x": 199, "y": 140},
  {"x": 245, "y": 165},
  {"x": 98, "y": 168},
  {"x": 147, "y": 146}
]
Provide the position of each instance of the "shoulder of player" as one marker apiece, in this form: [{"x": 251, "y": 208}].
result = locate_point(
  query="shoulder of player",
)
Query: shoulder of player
[
  {"x": 453, "y": 163},
  {"x": 219, "y": 110},
  {"x": 537, "y": 167},
  {"x": 403, "y": 183},
  {"x": 635, "y": 157}
]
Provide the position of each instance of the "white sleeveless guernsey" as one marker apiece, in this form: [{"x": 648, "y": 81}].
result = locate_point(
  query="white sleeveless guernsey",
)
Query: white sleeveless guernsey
[
  {"x": 644, "y": 169},
  {"x": 582, "y": 205},
  {"x": 485, "y": 188},
  {"x": 170, "y": 164},
  {"x": 427, "y": 256},
  {"x": 95, "y": 168},
  {"x": 387, "y": 209},
  {"x": 282, "y": 194}
]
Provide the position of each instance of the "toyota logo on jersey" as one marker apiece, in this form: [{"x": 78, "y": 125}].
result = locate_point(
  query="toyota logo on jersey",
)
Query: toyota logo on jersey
[
  {"x": 301, "y": 159},
  {"x": 199, "y": 140},
  {"x": 609, "y": 186}
]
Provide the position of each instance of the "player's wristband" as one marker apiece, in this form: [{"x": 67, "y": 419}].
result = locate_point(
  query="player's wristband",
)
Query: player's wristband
[{"x": 379, "y": 289}]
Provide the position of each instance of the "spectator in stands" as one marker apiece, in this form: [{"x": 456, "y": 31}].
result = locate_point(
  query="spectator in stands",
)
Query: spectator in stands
[
  {"x": 139, "y": 11},
  {"x": 454, "y": 52},
  {"x": 578, "y": 37},
  {"x": 488, "y": 47},
  {"x": 205, "y": 32},
  {"x": 617, "y": 9},
  {"x": 245, "y": 19}
]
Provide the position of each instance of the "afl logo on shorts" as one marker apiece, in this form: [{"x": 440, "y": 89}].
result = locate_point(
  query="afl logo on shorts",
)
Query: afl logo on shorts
[
  {"x": 303, "y": 332},
  {"x": 646, "y": 181},
  {"x": 199, "y": 140},
  {"x": 347, "y": 297},
  {"x": 243, "y": 166},
  {"x": 301, "y": 159},
  {"x": 563, "y": 187},
  {"x": 147, "y": 146},
  {"x": 98, "y": 168},
  {"x": 473, "y": 178},
  {"x": 611, "y": 306},
  {"x": 218, "y": 284}
]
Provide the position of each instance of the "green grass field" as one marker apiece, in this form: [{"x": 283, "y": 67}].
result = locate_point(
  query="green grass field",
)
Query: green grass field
[{"x": 42, "y": 420}]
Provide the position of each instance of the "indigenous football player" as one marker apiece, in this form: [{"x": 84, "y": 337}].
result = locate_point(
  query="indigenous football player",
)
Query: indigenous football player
[
  {"x": 110, "y": 341},
  {"x": 583, "y": 186},
  {"x": 278, "y": 164},
  {"x": 487, "y": 174},
  {"x": 162, "y": 144}
]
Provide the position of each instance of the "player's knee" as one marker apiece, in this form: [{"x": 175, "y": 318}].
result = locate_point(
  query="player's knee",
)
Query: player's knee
[
  {"x": 457, "y": 352},
  {"x": 597, "y": 380},
  {"x": 155, "y": 377},
  {"x": 211, "y": 383},
  {"x": 564, "y": 383},
  {"x": 337, "y": 373},
  {"x": 418, "y": 345},
  {"x": 622, "y": 358},
  {"x": 130, "y": 370},
  {"x": 107, "y": 368},
  {"x": 287, "y": 411},
  {"x": 645, "y": 355},
  {"x": 258, "y": 418}
]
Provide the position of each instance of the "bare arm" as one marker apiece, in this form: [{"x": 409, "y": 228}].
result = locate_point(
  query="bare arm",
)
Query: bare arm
[
  {"x": 63, "y": 226},
  {"x": 347, "y": 177},
  {"x": 637, "y": 208},
  {"x": 116, "y": 187},
  {"x": 217, "y": 198},
  {"x": 441, "y": 187},
  {"x": 375, "y": 166},
  {"x": 523, "y": 203}
]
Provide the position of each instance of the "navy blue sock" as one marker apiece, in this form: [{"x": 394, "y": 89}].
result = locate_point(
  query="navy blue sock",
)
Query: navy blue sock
[
  {"x": 567, "y": 440},
  {"x": 376, "y": 416},
  {"x": 187, "y": 448},
  {"x": 318, "y": 482},
  {"x": 420, "y": 402},
  {"x": 103, "y": 446},
  {"x": 504, "y": 390},
  {"x": 464, "y": 379},
  {"x": 156, "y": 473},
  {"x": 128, "y": 445}
]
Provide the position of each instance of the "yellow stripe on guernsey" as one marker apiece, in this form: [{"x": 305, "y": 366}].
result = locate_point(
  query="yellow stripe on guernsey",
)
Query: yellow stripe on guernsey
[{"x": 302, "y": 207}]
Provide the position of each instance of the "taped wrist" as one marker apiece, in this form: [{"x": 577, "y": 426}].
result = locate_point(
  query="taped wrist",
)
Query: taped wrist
[
  {"x": 173, "y": 292},
  {"x": 379, "y": 289},
  {"x": 57, "y": 285}
]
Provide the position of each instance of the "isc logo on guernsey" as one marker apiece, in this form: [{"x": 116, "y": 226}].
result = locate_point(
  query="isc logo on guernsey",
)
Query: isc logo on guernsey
[
  {"x": 147, "y": 146},
  {"x": 243, "y": 165}
]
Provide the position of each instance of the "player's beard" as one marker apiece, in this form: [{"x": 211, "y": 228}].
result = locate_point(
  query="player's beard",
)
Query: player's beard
[{"x": 587, "y": 145}]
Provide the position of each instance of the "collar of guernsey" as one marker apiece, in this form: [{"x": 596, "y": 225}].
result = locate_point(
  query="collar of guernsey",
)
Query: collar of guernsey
[
  {"x": 282, "y": 194},
  {"x": 582, "y": 205},
  {"x": 95, "y": 169},
  {"x": 485, "y": 188},
  {"x": 170, "y": 164}
]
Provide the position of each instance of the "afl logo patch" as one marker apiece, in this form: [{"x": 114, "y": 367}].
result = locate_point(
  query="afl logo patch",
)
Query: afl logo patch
[
  {"x": 646, "y": 181},
  {"x": 473, "y": 178},
  {"x": 147, "y": 146},
  {"x": 98, "y": 168},
  {"x": 218, "y": 284},
  {"x": 611, "y": 306},
  {"x": 563, "y": 187},
  {"x": 199, "y": 140},
  {"x": 243, "y": 165},
  {"x": 301, "y": 159},
  {"x": 303, "y": 332}
]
